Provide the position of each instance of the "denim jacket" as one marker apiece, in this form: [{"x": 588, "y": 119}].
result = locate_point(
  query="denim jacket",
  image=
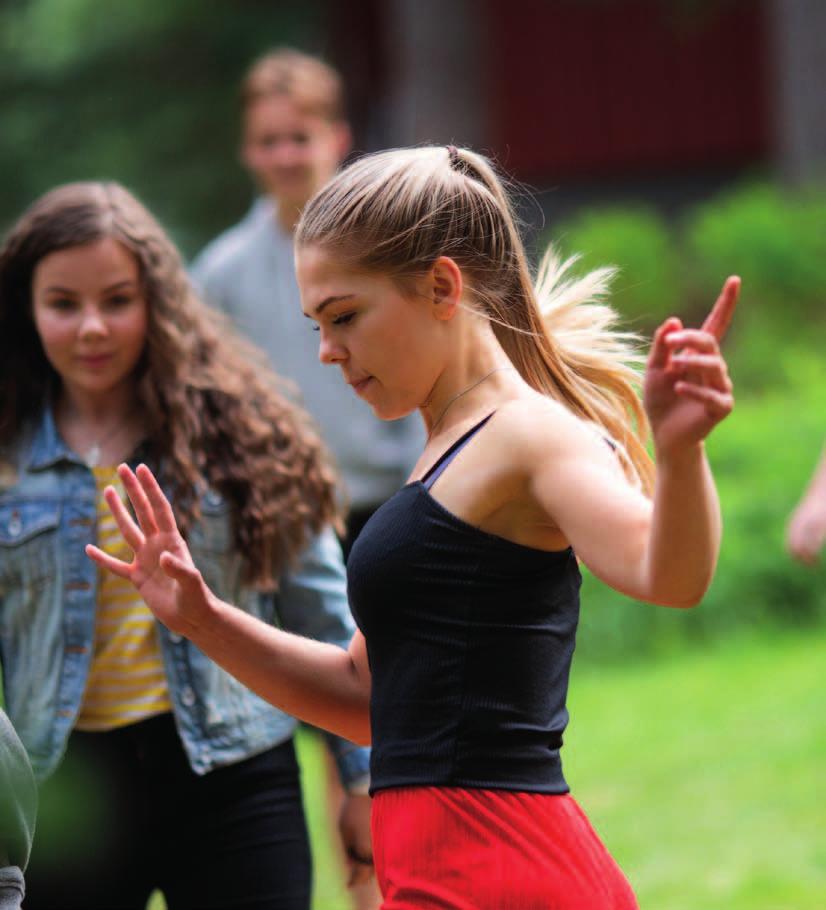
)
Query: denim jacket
[{"x": 48, "y": 595}]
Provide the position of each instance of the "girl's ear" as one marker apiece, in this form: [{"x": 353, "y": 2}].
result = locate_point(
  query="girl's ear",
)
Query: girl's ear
[{"x": 446, "y": 285}]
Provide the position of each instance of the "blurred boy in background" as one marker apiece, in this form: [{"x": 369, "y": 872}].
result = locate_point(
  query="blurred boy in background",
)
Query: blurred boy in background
[{"x": 294, "y": 137}]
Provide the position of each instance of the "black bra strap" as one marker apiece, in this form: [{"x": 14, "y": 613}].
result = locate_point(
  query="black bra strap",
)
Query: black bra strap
[{"x": 435, "y": 471}]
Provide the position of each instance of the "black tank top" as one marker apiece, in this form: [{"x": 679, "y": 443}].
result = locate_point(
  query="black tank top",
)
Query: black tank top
[{"x": 469, "y": 639}]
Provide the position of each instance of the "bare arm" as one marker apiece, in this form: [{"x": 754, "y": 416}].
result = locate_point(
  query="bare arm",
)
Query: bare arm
[
  {"x": 314, "y": 681},
  {"x": 663, "y": 551},
  {"x": 317, "y": 682},
  {"x": 807, "y": 527}
]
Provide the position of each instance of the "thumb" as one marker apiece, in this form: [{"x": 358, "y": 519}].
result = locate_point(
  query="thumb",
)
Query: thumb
[
  {"x": 178, "y": 570},
  {"x": 658, "y": 356}
]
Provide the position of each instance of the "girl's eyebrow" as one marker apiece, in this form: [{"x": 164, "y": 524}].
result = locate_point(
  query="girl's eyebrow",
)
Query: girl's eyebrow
[
  {"x": 326, "y": 302},
  {"x": 57, "y": 289}
]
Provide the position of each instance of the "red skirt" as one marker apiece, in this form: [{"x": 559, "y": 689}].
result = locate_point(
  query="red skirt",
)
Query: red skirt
[{"x": 447, "y": 848}]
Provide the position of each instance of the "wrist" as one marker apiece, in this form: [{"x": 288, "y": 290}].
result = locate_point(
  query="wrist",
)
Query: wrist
[
  {"x": 679, "y": 457},
  {"x": 203, "y": 620}
]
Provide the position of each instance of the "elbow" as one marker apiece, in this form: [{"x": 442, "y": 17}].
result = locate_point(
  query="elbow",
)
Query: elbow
[
  {"x": 687, "y": 603},
  {"x": 683, "y": 593},
  {"x": 686, "y": 600}
]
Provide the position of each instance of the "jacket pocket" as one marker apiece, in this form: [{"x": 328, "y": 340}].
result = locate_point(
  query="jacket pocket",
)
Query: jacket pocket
[{"x": 28, "y": 540}]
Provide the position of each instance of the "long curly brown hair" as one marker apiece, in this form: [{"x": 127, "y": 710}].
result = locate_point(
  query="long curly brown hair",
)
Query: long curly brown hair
[{"x": 216, "y": 414}]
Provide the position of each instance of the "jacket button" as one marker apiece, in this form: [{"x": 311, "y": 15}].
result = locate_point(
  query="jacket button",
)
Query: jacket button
[
  {"x": 175, "y": 638},
  {"x": 15, "y": 525},
  {"x": 187, "y": 696}
]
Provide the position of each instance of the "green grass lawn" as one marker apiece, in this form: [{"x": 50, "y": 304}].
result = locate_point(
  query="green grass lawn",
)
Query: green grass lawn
[{"x": 705, "y": 775}]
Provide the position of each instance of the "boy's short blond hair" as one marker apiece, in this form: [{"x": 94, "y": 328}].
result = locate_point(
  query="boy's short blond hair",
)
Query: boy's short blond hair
[{"x": 314, "y": 85}]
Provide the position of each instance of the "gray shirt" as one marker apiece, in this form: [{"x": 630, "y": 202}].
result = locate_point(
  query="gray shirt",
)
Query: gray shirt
[
  {"x": 18, "y": 805},
  {"x": 249, "y": 273}
]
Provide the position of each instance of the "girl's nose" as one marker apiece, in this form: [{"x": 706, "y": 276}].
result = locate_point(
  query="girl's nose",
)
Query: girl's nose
[
  {"x": 329, "y": 351},
  {"x": 92, "y": 323}
]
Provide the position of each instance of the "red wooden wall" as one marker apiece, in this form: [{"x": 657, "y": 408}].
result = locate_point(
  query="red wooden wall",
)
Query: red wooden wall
[{"x": 617, "y": 87}]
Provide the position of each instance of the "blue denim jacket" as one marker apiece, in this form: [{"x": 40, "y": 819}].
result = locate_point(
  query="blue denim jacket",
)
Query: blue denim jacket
[{"x": 48, "y": 593}]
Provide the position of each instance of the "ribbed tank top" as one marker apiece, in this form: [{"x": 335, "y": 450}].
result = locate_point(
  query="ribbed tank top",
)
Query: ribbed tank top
[{"x": 469, "y": 640}]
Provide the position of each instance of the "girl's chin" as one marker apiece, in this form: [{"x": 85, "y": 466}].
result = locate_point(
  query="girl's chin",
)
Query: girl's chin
[{"x": 388, "y": 412}]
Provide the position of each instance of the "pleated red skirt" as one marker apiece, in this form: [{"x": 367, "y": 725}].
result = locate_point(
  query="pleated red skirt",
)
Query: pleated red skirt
[{"x": 445, "y": 848}]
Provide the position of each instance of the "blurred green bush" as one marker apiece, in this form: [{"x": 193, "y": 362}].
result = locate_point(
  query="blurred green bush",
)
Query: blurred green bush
[
  {"x": 648, "y": 287},
  {"x": 776, "y": 240},
  {"x": 773, "y": 237}
]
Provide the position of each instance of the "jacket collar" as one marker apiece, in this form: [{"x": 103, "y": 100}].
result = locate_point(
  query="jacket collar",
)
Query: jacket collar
[{"x": 47, "y": 447}]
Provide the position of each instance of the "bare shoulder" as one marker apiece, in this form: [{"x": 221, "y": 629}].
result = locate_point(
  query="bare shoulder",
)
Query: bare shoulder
[{"x": 539, "y": 431}]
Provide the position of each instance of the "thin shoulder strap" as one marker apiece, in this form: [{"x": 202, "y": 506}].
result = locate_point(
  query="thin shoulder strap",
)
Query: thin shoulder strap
[{"x": 435, "y": 471}]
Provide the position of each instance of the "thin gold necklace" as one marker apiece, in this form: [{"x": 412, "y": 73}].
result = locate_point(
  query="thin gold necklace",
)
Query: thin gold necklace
[{"x": 470, "y": 388}]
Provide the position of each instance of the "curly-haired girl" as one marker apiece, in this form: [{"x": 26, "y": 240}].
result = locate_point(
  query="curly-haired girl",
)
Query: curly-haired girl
[{"x": 107, "y": 355}]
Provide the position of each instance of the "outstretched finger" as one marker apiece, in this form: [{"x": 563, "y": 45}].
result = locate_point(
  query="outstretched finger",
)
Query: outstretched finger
[
  {"x": 140, "y": 503},
  {"x": 131, "y": 532},
  {"x": 658, "y": 357},
  {"x": 719, "y": 319},
  {"x": 116, "y": 566},
  {"x": 164, "y": 516}
]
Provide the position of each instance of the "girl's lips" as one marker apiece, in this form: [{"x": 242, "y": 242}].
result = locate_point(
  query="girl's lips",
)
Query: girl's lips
[
  {"x": 359, "y": 387},
  {"x": 95, "y": 361}
]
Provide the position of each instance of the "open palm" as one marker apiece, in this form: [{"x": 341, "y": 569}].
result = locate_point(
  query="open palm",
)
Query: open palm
[
  {"x": 161, "y": 569},
  {"x": 687, "y": 390}
]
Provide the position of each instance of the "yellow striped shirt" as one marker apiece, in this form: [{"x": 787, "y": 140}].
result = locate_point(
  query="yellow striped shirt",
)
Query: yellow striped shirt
[{"x": 126, "y": 681}]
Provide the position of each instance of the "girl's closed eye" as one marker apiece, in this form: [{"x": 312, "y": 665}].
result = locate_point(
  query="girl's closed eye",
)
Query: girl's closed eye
[{"x": 343, "y": 319}]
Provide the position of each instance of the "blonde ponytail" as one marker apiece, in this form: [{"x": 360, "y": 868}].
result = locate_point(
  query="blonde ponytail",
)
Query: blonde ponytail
[
  {"x": 606, "y": 363},
  {"x": 396, "y": 212}
]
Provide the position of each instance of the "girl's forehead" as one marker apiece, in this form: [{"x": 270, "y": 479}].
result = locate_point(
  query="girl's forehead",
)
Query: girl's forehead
[
  {"x": 322, "y": 269},
  {"x": 101, "y": 260}
]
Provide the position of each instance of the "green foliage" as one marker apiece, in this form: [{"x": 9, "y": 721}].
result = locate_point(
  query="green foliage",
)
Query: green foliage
[
  {"x": 142, "y": 91},
  {"x": 648, "y": 287},
  {"x": 773, "y": 236},
  {"x": 776, "y": 240}
]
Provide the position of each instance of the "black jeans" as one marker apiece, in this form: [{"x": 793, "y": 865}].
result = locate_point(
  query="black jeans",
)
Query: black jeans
[{"x": 125, "y": 814}]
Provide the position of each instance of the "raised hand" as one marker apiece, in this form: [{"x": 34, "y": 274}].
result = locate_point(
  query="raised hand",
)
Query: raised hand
[
  {"x": 161, "y": 569},
  {"x": 687, "y": 390}
]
